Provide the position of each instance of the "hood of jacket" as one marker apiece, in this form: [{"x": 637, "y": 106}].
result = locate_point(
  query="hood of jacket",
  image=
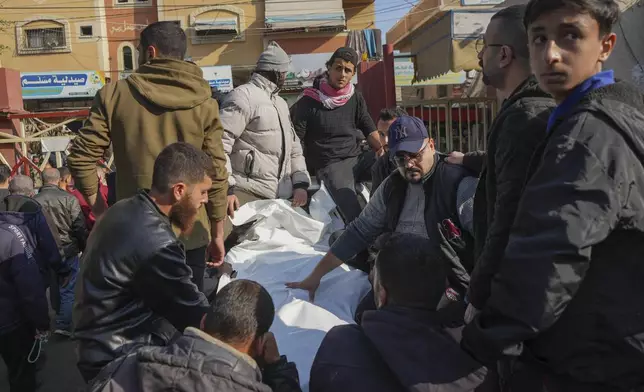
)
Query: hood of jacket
[
  {"x": 198, "y": 362},
  {"x": 622, "y": 105},
  {"x": 263, "y": 83},
  {"x": 19, "y": 203},
  {"x": 419, "y": 350},
  {"x": 171, "y": 84}
]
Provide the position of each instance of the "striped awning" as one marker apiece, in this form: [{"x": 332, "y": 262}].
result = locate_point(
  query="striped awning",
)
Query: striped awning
[{"x": 297, "y": 14}]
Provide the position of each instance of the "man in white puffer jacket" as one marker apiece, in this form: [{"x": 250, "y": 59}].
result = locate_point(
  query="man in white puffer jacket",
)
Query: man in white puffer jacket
[{"x": 264, "y": 155}]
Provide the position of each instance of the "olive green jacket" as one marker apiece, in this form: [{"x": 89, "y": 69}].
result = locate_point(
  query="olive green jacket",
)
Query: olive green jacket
[{"x": 164, "y": 102}]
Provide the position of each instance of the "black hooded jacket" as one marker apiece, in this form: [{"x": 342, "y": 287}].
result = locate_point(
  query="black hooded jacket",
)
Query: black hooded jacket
[
  {"x": 570, "y": 285},
  {"x": 396, "y": 349},
  {"x": 515, "y": 134}
]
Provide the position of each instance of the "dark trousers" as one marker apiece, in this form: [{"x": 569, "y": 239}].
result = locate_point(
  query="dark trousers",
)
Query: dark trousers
[
  {"x": 14, "y": 349},
  {"x": 196, "y": 260},
  {"x": 340, "y": 180}
]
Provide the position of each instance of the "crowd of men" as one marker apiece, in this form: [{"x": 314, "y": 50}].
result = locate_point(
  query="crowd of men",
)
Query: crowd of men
[{"x": 512, "y": 269}]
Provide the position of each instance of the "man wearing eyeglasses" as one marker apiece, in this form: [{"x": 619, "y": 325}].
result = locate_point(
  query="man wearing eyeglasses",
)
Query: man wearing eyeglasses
[
  {"x": 426, "y": 196},
  {"x": 517, "y": 130}
]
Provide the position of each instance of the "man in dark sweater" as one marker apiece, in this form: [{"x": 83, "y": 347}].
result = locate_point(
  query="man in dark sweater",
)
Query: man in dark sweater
[
  {"x": 331, "y": 120},
  {"x": 514, "y": 135},
  {"x": 406, "y": 344},
  {"x": 566, "y": 300}
]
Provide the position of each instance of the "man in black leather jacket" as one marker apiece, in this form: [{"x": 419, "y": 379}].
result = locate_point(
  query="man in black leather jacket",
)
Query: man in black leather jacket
[
  {"x": 232, "y": 351},
  {"x": 65, "y": 211},
  {"x": 134, "y": 287}
]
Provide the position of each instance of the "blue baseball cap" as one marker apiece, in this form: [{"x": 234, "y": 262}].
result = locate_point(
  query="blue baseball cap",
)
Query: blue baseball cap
[{"x": 407, "y": 134}]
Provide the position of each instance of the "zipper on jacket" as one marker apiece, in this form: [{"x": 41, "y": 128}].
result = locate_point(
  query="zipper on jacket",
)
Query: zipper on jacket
[{"x": 283, "y": 154}]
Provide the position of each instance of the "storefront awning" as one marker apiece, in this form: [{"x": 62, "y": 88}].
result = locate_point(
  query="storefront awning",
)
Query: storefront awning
[
  {"x": 448, "y": 43},
  {"x": 219, "y": 24},
  {"x": 297, "y": 14}
]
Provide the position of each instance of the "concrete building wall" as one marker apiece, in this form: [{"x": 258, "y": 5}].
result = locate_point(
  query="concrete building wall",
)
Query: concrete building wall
[
  {"x": 123, "y": 24},
  {"x": 75, "y": 51},
  {"x": 116, "y": 24}
]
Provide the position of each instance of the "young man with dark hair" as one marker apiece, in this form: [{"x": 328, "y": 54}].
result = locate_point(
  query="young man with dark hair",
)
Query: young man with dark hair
[
  {"x": 332, "y": 120},
  {"x": 5, "y": 173},
  {"x": 165, "y": 101},
  {"x": 567, "y": 296},
  {"x": 406, "y": 344},
  {"x": 232, "y": 351},
  {"x": 385, "y": 165},
  {"x": 69, "y": 220},
  {"x": 134, "y": 287},
  {"x": 263, "y": 151},
  {"x": 515, "y": 134}
]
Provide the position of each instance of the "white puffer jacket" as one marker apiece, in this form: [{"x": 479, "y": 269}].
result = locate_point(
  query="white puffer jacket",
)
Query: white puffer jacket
[{"x": 264, "y": 155}]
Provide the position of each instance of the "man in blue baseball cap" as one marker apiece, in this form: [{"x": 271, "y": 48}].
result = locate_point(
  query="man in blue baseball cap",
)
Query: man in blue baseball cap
[{"x": 426, "y": 196}]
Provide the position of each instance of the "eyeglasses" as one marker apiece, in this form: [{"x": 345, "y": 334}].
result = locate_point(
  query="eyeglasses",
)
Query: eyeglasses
[
  {"x": 481, "y": 45},
  {"x": 402, "y": 158}
]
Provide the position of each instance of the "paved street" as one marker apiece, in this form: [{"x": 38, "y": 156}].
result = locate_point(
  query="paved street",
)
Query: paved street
[{"x": 59, "y": 371}]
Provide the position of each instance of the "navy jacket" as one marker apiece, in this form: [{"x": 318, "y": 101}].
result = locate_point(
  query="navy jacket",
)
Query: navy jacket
[
  {"x": 40, "y": 233},
  {"x": 29, "y": 216},
  {"x": 396, "y": 349},
  {"x": 22, "y": 290}
]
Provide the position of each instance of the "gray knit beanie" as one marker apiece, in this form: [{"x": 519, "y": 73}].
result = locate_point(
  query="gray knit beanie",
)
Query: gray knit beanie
[{"x": 274, "y": 58}]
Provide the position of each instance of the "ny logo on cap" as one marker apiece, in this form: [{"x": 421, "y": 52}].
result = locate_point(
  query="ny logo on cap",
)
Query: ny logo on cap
[{"x": 401, "y": 133}]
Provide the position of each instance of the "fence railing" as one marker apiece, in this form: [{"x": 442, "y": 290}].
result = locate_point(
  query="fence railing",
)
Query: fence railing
[{"x": 458, "y": 124}]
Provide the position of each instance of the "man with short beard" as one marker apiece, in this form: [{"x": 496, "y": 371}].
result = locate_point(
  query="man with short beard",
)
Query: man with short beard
[
  {"x": 424, "y": 197},
  {"x": 134, "y": 287},
  {"x": 515, "y": 134}
]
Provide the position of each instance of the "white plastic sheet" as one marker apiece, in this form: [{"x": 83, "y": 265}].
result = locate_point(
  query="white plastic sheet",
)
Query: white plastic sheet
[{"x": 284, "y": 245}]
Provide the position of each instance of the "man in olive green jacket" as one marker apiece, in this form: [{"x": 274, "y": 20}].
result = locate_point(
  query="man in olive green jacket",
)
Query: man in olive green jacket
[{"x": 165, "y": 101}]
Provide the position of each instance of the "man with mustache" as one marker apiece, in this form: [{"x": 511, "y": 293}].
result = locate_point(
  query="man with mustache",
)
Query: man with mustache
[
  {"x": 514, "y": 135},
  {"x": 134, "y": 287},
  {"x": 424, "y": 197},
  {"x": 566, "y": 302}
]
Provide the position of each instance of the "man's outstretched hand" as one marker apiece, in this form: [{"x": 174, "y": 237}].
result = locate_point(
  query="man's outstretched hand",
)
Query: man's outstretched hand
[{"x": 309, "y": 284}]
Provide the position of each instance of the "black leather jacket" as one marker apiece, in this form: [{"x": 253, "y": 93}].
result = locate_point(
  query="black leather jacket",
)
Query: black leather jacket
[
  {"x": 134, "y": 288},
  {"x": 66, "y": 213}
]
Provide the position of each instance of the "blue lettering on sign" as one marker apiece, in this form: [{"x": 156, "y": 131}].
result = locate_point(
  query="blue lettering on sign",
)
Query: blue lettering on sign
[{"x": 53, "y": 80}]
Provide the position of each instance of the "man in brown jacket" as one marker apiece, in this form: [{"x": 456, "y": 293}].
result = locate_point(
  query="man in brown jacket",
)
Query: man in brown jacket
[{"x": 165, "y": 101}]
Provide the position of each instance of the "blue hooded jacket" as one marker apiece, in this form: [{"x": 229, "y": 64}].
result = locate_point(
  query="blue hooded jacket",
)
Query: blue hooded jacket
[{"x": 22, "y": 290}]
